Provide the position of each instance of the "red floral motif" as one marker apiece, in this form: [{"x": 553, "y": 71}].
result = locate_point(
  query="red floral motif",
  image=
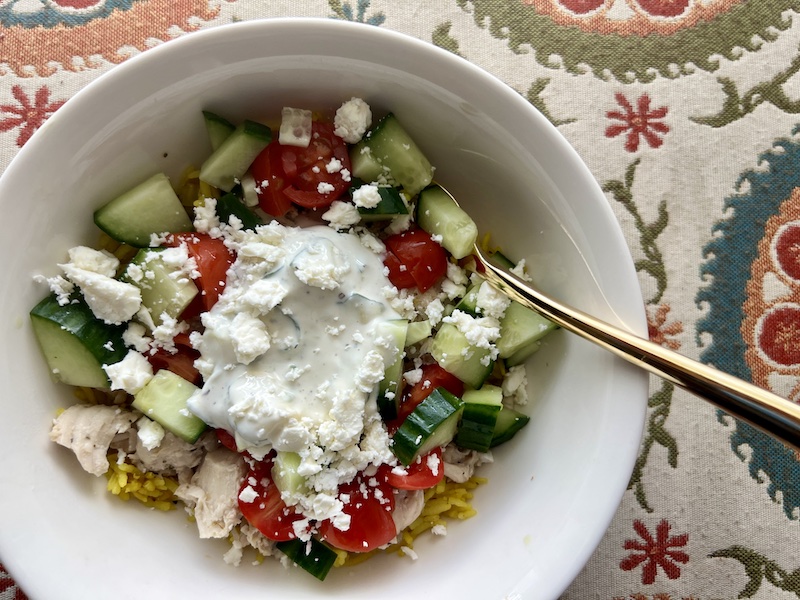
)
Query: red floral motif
[
  {"x": 582, "y": 6},
  {"x": 655, "y": 552},
  {"x": 639, "y": 123},
  {"x": 664, "y": 8},
  {"x": 27, "y": 115},
  {"x": 7, "y": 584},
  {"x": 659, "y": 330}
]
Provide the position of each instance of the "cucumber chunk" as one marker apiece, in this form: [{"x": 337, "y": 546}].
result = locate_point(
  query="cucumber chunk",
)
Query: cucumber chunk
[
  {"x": 469, "y": 303},
  {"x": 219, "y": 128},
  {"x": 364, "y": 165},
  {"x": 438, "y": 214},
  {"x": 432, "y": 423},
  {"x": 478, "y": 422},
  {"x": 284, "y": 472},
  {"x": 509, "y": 422},
  {"x": 152, "y": 207},
  {"x": 391, "y": 147},
  {"x": 457, "y": 356},
  {"x": 163, "y": 400},
  {"x": 418, "y": 331},
  {"x": 390, "y": 206},
  {"x": 389, "y": 387},
  {"x": 521, "y": 329},
  {"x": 313, "y": 556},
  {"x": 75, "y": 343},
  {"x": 230, "y": 204},
  {"x": 231, "y": 160},
  {"x": 165, "y": 288}
]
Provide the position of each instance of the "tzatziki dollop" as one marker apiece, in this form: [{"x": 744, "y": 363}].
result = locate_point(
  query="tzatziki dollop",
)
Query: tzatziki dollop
[{"x": 292, "y": 353}]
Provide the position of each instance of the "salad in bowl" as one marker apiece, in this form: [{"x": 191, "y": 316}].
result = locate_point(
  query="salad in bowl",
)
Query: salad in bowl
[{"x": 297, "y": 342}]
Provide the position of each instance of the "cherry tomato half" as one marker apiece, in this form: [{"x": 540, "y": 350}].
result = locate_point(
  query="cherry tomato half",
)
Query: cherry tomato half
[
  {"x": 423, "y": 473},
  {"x": 261, "y": 504},
  {"x": 424, "y": 259},
  {"x": 213, "y": 259},
  {"x": 181, "y": 362},
  {"x": 433, "y": 376},
  {"x": 370, "y": 502},
  {"x": 291, "y": 174}
]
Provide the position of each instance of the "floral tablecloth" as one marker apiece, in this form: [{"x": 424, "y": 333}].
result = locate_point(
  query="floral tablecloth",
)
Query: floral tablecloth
[{"x": 686, "y": 111}]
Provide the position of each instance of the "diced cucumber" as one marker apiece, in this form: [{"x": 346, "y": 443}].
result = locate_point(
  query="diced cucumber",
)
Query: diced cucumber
[
  {"x": 163, "y": 400},
  {"x": 390, "y": 206},
  {"x": 509, "y": 422},
  {"x": 432, "y": 423},
  {"x": 364, "y": 165},
  {"x": 150, "y": 207},
  {"x": 469, "y": 303},
  {"x": 457, "y": 356},
  {"x": 230, "y": 161},
  {"x": 391, "y": 147},
  {"x": 249, "y": 193},
  {"x": 502, "y": 260},
  {"x": 313, "y": 556},
  {"x": 389, "y": 387},
  {"x": 219, "y": 128},
  {"x": 439, "y": 215},
  {"x": 75, "y": 343},
  {"x": 522, "y": 355},
  {"x": 521, "y": 328},
  {"x": 284, "y": 472},
  {"x": 229, "y": 205},
  {"x": 481, "y": 409},
  {"x": 165, "y": 288},
  {"x": 418, "y": 331}
]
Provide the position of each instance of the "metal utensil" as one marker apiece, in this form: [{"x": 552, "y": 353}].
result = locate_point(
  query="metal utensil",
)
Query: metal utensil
[{"x": 768, "y": 412}]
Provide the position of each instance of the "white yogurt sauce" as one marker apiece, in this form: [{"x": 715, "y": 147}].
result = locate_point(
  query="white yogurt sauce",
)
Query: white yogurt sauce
[{"x": 292, "y": 352}]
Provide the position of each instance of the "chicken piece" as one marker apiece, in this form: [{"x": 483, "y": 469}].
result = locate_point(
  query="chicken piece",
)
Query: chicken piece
[
  {"x": 88, "y": 431},
  {"x": 408, "y": 505},
  {"x": 213, "y": 493},
  {"x": 173, "y": 454},
  {"x": 459, "y": 465}
]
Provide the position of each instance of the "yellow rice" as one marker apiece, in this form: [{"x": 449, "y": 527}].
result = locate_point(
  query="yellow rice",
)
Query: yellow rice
[
  {"x": 126, "y": 482},
  {"x": 446, "y": 500}
]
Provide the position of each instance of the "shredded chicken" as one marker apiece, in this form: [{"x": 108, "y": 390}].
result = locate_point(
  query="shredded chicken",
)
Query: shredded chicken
[
  {"x": 88, "y": 431},
  {"x": 213, "y": 493},
  {"x": 459, "y": 465},
  {"x": 408, "y": 505},
  {"x": 172, "y": 454}
]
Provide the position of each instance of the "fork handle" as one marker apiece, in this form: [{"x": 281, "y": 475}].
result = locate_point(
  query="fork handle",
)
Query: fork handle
[{"x": 768, "y": 412}]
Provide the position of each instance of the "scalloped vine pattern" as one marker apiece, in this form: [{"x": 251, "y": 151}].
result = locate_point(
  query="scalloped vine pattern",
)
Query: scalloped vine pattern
[
  {"x": 74, "y": 34},
  {"x": 633, "y": 40}
]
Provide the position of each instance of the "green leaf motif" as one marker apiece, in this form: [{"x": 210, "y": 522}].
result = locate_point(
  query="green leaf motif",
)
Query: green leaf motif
[
  {"x": 737, "y": 106},
  {"x": 442, "y": 38},
  {"x": 652, "y": 264},
  {"x": 535, "y": 98},
  {"x": 344, "y": 11},
  {"x": 758, "y": 569}
]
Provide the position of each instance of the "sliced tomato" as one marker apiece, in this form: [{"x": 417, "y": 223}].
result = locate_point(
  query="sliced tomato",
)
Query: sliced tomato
[
  {"x": 213, "y": 260},
  {"x": 433, "y": 376},
  {"x": 226, "y": 439},
  {"x": 180, "y": 362},
  {"x": 261, "y": 504},
  {"x": 370, "y": 502},
  {"x": 423, "y": 473},
  {"x": 271, "y": 180},
  {"x": 423, "y": 258},
  {"x": 290, "y": 174},
  {"x": 399, "y": 274}
]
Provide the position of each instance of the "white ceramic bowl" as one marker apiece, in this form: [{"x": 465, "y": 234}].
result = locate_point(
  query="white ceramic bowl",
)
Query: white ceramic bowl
[{"x": 551, "y": 492}]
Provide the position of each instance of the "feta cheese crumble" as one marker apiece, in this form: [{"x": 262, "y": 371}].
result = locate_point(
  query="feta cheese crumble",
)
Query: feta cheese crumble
[
  {"x": 352, "y": 120},
  {"x": 295, "y": 127}
]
